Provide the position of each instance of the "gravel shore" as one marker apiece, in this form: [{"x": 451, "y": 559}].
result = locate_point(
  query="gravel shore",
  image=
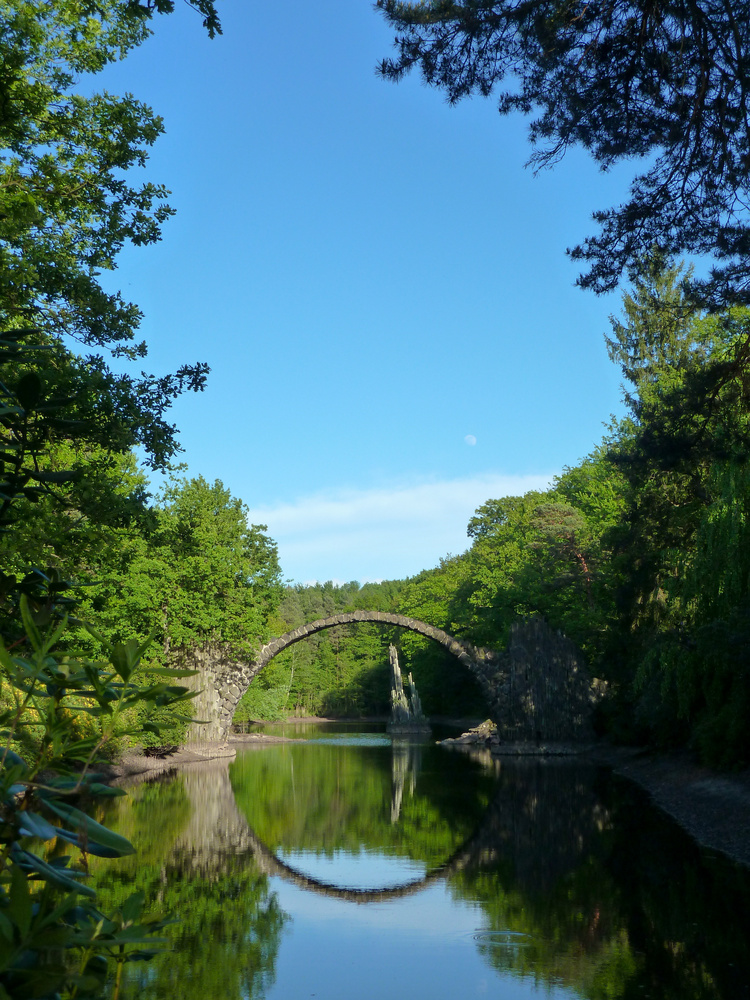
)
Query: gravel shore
[{"x": 714, "y": 808}]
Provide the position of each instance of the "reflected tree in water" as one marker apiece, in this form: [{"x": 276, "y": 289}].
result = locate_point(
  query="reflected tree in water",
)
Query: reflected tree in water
[
  {"x": 330, "y": 798},
  {"x": 584, "y": 883},
  {"x": 228, "y": 925}
]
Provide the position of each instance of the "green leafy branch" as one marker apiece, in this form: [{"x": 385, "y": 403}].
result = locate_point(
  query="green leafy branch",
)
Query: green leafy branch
[{"x": 54, "y": 942}]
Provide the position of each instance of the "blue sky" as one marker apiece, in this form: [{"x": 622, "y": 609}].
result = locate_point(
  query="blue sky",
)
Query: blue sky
[{"x": 379, "y": 286}]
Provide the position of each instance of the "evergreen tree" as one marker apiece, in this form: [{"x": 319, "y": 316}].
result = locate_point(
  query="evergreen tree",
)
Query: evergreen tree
[
  {"x": 661, "y": 83},
  {"x": 679, "y": 546}
]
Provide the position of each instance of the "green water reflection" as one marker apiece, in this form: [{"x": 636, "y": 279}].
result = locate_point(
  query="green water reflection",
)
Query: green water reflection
[
  {"x": 571, "y": 881},
  {"x": 606, "y": 894},
  {"x": 405, "y": 800},
  {"x": 229, "y": 924}
]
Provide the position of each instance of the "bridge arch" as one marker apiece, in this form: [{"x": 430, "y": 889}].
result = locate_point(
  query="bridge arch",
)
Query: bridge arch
[
  {"x": 461, "y": 650},
  {"x": 223, "y": 681},
  {"x": 464, "y": 857}
]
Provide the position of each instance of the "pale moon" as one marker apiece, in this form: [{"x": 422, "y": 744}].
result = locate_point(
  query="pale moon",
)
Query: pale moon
[{"x": 470, "y": 439}]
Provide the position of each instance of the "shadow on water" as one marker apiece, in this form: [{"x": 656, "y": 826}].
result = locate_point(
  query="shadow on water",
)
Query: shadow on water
[{"x": 576, "y": 880}]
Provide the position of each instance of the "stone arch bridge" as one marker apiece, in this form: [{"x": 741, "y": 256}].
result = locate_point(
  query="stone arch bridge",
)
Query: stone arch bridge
[
  {"x": 222, "y": 680},
  {"x": 538, "y": 689}
]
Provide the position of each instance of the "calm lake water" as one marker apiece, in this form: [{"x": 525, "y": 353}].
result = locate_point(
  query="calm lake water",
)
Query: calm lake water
[{"x": 354, "y": 867}]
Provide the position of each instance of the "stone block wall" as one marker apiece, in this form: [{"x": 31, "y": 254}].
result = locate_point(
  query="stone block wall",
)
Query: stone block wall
[
  {"x": 539, "y": 688},
  {"x": 221, "y": 682}
]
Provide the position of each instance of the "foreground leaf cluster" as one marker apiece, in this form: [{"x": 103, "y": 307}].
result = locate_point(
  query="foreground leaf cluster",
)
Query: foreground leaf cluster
[{"x": 54, "y": 941}]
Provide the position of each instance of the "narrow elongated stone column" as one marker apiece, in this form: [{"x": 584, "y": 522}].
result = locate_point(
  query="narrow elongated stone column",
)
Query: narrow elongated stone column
[{"x": 406, "y": 713}]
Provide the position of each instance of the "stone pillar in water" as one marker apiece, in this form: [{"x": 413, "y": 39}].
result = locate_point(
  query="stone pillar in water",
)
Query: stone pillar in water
[
  {"x": 406, "y": 713},
  {"x": 400, "y": 712},
  {"x": 415, "y": 703},
  {"x": 405, "y": 763}
]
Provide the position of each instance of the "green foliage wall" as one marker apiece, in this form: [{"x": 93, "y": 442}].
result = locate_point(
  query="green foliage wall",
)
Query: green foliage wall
[{"x": 199, "y": 573}]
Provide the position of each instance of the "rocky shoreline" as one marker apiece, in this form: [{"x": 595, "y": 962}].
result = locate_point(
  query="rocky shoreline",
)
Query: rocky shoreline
[
  {"x": 714, "y": 809},
  {"x": 134, "y": 764}
]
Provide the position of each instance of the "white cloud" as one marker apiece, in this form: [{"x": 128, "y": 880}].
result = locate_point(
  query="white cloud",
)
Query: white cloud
[{"x": 383, "y": 533}]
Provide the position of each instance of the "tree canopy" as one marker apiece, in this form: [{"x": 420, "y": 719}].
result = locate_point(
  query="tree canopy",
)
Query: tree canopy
[
  {"x": 665, "y": 83},
  {"x": 71, "y": 406},
  {"x": 68, "y": 205}
]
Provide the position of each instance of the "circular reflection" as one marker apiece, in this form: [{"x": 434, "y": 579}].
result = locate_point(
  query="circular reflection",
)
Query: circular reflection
[
  {"x": 366, "y": 870},
  {"x": 362, "y": 820}
]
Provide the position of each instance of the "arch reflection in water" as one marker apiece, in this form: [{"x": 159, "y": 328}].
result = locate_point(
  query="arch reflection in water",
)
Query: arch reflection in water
[
  {"x": 558, "y": 877},
  {"x": 402, "y": 801},
  {"x": 455, "y": 817}
]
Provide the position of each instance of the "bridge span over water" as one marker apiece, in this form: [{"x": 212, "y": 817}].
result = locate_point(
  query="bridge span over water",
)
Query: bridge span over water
[
  {"x": 537, "y": 689},
  {"x": 223, "y": 679}
]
